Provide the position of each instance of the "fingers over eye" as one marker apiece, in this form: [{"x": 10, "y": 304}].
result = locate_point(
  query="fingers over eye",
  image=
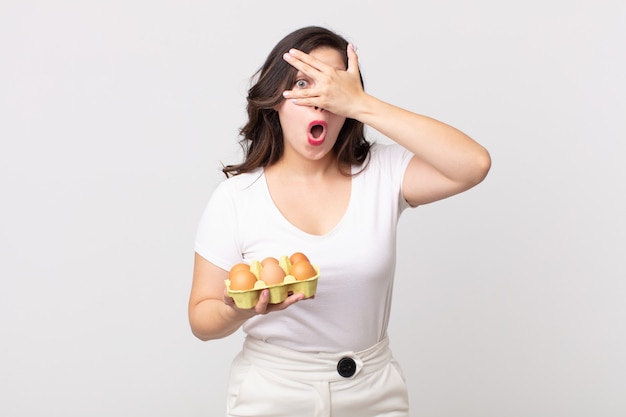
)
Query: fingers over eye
[{"x": 303, "y": 61}]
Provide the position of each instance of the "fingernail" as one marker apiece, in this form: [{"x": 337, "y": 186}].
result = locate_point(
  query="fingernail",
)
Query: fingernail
[
  {"x": 292, "y": 51},
  {"x": 285, "y": 93}
]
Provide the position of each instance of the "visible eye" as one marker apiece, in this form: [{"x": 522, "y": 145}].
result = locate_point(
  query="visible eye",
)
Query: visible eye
[{"x": 302, "y": 83}]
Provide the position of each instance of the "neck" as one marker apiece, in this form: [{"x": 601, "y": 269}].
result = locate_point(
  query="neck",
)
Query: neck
[{"x": 305, "y": 168}]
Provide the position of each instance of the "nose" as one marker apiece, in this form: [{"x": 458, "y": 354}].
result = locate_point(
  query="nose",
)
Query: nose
[{"x": 319, "y": 108}]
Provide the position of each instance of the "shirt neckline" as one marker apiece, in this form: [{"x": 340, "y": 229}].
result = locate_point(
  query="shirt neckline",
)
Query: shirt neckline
[{"x": 283, "y": 219}]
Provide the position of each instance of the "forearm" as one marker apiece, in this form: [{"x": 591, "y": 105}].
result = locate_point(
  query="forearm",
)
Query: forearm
[
  {"x": 213, "y": 319},
  {"x": 450, "y": 151}
]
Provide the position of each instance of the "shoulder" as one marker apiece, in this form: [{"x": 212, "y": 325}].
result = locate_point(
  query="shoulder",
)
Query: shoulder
[
  {"x": 233, "y": 190},
  {"x": 239, "y": 182},
  {"x": 388, "y": 149},
  {"x": 389, "y": 155}
]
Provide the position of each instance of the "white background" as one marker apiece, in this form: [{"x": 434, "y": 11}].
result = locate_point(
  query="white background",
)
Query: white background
[{"x": 116, "y": 115}]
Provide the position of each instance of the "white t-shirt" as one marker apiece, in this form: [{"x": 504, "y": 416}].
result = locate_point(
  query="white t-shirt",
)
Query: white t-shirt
[{"x": 357, "y": 258}]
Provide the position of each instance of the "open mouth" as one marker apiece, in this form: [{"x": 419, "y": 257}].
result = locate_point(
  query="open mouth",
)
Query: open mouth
[{"x": 317, "y": 132}]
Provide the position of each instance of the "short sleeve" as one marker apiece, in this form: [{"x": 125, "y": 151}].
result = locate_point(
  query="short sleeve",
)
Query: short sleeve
[
  {"x": 394, "y": 160},
  {"x": 216, "y": 237}
]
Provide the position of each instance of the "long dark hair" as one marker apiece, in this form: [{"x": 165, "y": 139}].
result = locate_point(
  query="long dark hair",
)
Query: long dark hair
[{"x": 262, "y": 136}]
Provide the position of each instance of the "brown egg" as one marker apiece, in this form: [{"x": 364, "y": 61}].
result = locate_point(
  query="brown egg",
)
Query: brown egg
[
  {"x": 241, "y": 279},
  {"x": 298, "y": 256},
  {"x": 269, "y": 259},
  {"x": 272, "y": 273},
  {"x": 302, "y": 270},
  {"x": 238, "y": 267}
]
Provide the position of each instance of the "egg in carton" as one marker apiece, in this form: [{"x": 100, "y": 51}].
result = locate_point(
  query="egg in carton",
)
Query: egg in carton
[{"x": 280, "y": 278}]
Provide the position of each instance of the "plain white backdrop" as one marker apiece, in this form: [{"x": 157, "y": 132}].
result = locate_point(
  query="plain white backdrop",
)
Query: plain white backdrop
[{"x": 116, "y": 115}]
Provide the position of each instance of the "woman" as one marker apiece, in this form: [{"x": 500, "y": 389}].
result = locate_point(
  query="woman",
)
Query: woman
[{"x": 311, "y": 182}]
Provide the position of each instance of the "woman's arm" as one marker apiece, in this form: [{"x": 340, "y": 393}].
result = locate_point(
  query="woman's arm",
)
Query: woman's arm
[
  {"x": 212, "y": 313},
  {"x": 210, "y": 316},
  {"x": 446, "y": 160}
]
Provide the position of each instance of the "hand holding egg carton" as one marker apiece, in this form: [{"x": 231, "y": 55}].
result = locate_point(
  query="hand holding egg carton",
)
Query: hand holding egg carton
[{"x": 288, "y": 274}]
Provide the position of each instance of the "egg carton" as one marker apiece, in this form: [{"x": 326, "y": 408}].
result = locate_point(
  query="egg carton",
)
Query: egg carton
[{"x": 278, "y": 292}]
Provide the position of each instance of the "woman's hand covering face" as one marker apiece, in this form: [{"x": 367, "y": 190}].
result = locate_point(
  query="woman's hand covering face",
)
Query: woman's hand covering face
[{"x": 327, "y": 86}]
